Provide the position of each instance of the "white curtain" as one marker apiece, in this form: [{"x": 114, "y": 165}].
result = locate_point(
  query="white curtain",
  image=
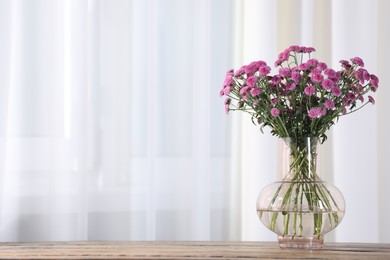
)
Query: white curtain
[{"x": 111, "y": 127}]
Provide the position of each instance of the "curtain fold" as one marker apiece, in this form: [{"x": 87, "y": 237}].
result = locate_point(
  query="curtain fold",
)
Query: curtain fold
[{"x": 111, "y": 127}]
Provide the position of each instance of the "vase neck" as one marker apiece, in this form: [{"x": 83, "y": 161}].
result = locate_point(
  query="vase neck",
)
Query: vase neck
[{"x": 300, "y": 157}]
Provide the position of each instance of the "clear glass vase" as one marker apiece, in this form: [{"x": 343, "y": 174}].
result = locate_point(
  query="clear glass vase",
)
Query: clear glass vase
[{"x": 301, "y": 208}]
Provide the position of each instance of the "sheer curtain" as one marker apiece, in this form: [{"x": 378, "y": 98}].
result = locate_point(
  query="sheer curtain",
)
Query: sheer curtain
[
  {"x": 111, "y": 124},
  {"x": 111, "y": 127}
]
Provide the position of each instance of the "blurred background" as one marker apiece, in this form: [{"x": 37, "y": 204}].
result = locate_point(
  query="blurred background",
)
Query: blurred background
[{"x": 112, "y": 128}]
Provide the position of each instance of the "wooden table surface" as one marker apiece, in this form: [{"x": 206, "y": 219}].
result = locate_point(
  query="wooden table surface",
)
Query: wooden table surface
[{"x": 187, "y": 250}]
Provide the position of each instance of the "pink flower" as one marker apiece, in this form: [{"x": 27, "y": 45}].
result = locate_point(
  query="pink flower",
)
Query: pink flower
[
  {"x": 250, "y": 69},
  {"x": 330, "y": 73},
  {"x": 351, "y": 96},
  {"x": 322, "y": 65},
  {"x": 244, "y": 91},
  {"x": 226, "y": 90},
  {"x": 240, "y": 71},
  {"x": 307, "y": 49},
  {"x": 316, "y": 71},
  {"x": 284, "y": 55},
  {"x": 374, "y": 78},
  {"x": 275, "y": 112},
  {"x": 336, "y": 91},
  {"x": 312, "y": 62},
  {"x": 284, "y": 72},
  {"x": 274, "y": 101},
  {"x": 278, "y": 62},
  {"x": 227, "y": 109},
  {"x": 276, "y": 79},
  {"x": 295, "y": 48},
  {"x": 313, "y": 113},
  {"x": 362, "y": 75},
  {"x": 371, "y": 99},
  {"x": 264, "y": 70},
  {"x": 374, "y": 82},
  {"x": 322, "y": 111},
  {"x": 345, "y": 64},
  {"x": 366, "y": 75},
  {"x": 228, "y": 80},
  {"x": 310, "y": 90},
  {"x": 296, "y": 76},
  {"x": 227, "y": 101},
  {"x": 329, "y": 104},
  {"x": 291, "y": 86},
  {"x": 260, "y": 64},
  {"x": 317, "y": 78},
  {"x": 255, "y": 92},
  {"x": 304, "y": 66},
  {"x": 335, "y": 79},
  {"x": 346, "y": 101},
  {"x": 327, "y": 84},
  {"x": 251, "y": 81},
  {"x": 358, "y": 61}
]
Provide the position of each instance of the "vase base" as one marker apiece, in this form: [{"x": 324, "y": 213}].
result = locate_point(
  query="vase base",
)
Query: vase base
[{"x": 301, "y": 242}]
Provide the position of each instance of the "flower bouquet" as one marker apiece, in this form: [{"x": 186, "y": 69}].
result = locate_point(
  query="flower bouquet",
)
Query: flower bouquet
[{"x": 299, "y": 104}]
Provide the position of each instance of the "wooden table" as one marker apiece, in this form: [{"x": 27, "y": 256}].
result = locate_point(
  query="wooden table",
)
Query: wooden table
[{"x": 187, "y": 250}]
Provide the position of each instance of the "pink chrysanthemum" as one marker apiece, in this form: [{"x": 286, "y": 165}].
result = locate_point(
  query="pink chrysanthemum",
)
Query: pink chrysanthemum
[
  {"x": 345, "y": 64},
  {"x": 327, "y": 84},
  {"x": 296, "y": 76},
  {"x": 329, "y": 104},
  {"x": 251, "y": 81},
  {"x": 255, "y": 92},
  {"x": 322, "y": 65},
  {"x": 310, "y": 90},
  {"x": 304, "y": 66},
  {"x": 313, "y": 113},
  {"x": 330, "y": 73},
  {"x": 244, "y": 90},
  {"x": 291, "y": 86},
  {"x": 351, "y": 96},
  {"x": 227, "y": 90},
  {"x": 276, "y": 80},
  {"x": 336, "y": 91},
  {"x": 307, "y": 49},
  {"x": 227, "y": 109},
  {"x": 371, "y": 99},
  {"x": 264, "y": 70},
  {"x": 317, "y": 78},
  {"x": 312, "y": 63},
  {"x": 275, "y": 112},
  {"x": 240, "y": 71},
  {"x": 284, "y": 72},
  {"x": 358, "y": 61}
]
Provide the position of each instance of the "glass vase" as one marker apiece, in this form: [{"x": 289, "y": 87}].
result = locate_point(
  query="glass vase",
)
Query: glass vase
[{"x": 301, "y": 208}]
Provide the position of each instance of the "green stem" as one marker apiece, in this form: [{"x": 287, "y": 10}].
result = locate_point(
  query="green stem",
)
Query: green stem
[{"x": 303, "y": 182}]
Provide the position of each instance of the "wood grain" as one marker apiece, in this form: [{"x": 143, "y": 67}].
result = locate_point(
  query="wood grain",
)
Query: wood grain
[{"x": 187, "y": 250}]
